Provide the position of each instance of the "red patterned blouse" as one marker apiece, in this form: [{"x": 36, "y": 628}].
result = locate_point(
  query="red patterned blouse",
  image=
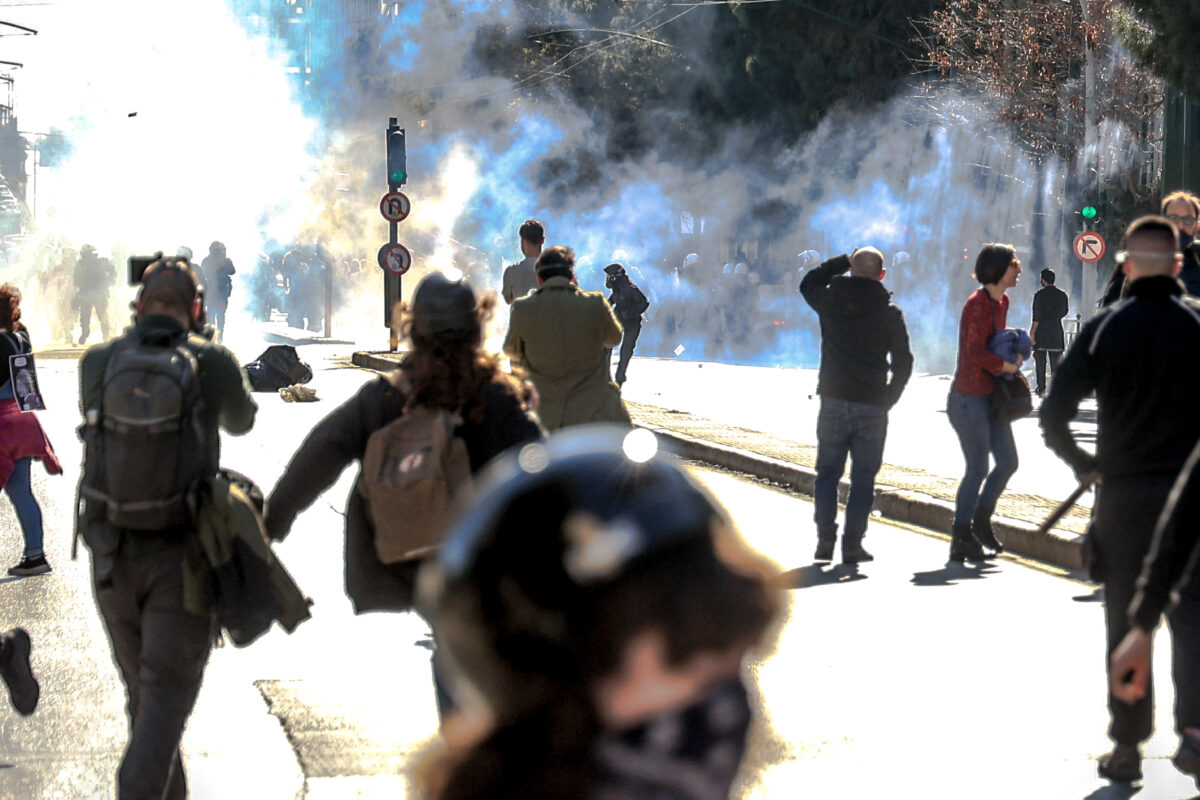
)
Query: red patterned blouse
[{"x": 981, "y": 317}]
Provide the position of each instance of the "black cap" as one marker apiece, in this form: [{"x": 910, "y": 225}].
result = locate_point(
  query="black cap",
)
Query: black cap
[{"x": 441, "y": 305}]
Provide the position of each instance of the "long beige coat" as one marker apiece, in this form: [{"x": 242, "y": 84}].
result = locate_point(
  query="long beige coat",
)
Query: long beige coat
[{"x": 563, "y": 336}]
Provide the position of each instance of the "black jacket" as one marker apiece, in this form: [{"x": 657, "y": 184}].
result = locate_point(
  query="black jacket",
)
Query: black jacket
[
  {"x": 340, "y": 439},
  {"x": 1175, "y": 552},
  {"x": 628, "y": 301},
  {"x": 861, "y": 328},
  {"x": 1049, "y": 308},
  {"x": 1137, "y": 357}
]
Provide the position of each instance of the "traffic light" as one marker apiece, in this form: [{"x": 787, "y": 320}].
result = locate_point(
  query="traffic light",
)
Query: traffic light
[
  {"x": 397, "y": 159},
  {"x": 1088, "y": 212}
]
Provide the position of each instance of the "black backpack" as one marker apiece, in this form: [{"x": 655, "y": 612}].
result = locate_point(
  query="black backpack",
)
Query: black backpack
[
  {"x": 145, "y": 445},
  {"x": 277, "y": 367}
]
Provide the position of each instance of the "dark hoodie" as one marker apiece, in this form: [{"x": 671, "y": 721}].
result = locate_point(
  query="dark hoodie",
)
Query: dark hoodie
[{"x": 860, "y": 329}]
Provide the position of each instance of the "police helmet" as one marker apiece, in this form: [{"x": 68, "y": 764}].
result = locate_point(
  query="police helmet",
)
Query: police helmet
[
  {"x": 614, "y": 269},
  {"x": 442, "y": 305},
  {"x": 549, "y": 527}
]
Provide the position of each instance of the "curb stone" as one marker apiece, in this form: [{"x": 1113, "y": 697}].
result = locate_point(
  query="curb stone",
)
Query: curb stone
[{"x": 1060, "y": 548}]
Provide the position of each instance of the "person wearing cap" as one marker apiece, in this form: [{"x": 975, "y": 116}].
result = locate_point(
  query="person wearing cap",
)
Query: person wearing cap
[
  {"x": 629, "y": 303},
  {"x": 563, "y": 336},
  {"x": 447, "y": 367},
  {"x": 160, "y": 647},
  {"x": 520, "y": 279},
  {"x": 1049, "y": 307},
  {"x": 594, "y": 605}
]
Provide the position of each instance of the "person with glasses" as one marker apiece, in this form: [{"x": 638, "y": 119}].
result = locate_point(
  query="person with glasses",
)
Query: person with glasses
[
  {"x": 1133, "y": 355},
  {"x": 1183, "y": 208}
]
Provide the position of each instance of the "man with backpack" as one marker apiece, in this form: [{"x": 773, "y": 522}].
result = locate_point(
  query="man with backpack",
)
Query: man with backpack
[
  {"x": 629, "y": 303},
  {"x": 152, "y": 401}
]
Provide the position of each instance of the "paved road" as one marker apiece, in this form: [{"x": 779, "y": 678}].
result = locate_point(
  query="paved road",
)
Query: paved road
[{"x": 898, "y": 678}]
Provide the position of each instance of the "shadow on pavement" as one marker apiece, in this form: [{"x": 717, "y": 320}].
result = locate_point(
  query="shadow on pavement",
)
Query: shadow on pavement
[
  {"x": 1096, "y": 595},
  {"x": 951, "y": 574},
  {"x": 1114, "y": 791},
  {"x": 819, "y": 575}
]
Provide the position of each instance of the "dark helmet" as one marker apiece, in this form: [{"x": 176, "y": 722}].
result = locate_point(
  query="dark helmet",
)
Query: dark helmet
[
  {"x": 549, "y": 527},
  {"x": 441, "y": 305},
  {"x": 615, "y": 269}
]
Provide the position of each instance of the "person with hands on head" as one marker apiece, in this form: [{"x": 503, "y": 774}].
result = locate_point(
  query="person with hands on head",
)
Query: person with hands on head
[
  {"x": 1128, "y": 354},
  {"x": 980, "y": 429},
  {"x": 864, "y": 341}
]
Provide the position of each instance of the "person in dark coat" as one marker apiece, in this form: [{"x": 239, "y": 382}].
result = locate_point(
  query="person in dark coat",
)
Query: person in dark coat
[
  {"x": 628, "y": 303},
  {"x": 864, "y": 340},
  {"x": 218, "y": 273},
  {"x": 1183, "y": 208},
  {"x": 94, "y": 277},
  {"x": 1049, "y": 308},
  {"x": 446, "y": 368},
  {"x": 1169, "y": 584},
  {"x": 1128, "y": 354}
]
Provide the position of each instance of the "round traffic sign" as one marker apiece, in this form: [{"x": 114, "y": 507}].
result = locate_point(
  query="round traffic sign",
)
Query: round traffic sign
[
  {"x": 395, "y": 258},
  {"x": 1089, "y": 246},
  {"x": 395, "y": 206}
]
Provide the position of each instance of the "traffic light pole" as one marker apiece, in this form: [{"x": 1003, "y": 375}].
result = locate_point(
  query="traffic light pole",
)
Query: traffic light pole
[
  {"x": 391, "y": 293},
  {"x": 397, "y": 175}
]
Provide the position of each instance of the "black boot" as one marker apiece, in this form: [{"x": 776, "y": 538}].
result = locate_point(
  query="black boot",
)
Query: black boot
[
  {"x": 981, "y": 528},
  {"x": 963, "y": 545}
]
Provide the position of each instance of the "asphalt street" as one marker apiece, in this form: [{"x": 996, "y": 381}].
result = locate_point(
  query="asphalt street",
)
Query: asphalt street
[{"x": 902, "y": 677}]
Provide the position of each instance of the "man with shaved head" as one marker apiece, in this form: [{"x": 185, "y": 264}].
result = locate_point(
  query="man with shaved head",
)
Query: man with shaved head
[
  {"x": 865, "y": 363},
  {"x": 1135, "y": 355}
]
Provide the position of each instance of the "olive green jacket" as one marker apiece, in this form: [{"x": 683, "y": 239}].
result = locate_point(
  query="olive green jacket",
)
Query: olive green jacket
[{"x": 563, "y": 337}]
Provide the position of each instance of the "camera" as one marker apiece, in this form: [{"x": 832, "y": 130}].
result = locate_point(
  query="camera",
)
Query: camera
[{"x": 138, "y": 266}]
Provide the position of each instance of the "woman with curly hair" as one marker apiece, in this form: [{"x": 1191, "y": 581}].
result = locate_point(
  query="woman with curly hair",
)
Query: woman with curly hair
[
  {"x": 21, "y": 439},
  {"x": 446, "y": 368}
]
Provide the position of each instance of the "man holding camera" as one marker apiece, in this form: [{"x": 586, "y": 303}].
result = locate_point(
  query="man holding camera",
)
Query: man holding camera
[{"x": 138, "y": 492}]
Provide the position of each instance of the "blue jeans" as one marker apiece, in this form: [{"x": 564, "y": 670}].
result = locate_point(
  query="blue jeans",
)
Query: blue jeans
[
  {"x": 857, "y": 429},
  {"x": 980, "y": 432},
  {"x": 20, "y": 491}
]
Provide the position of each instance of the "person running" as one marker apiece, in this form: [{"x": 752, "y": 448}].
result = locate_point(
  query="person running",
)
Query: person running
[
  {"x": 592, "y": 599},
  {"x": 446, "y": 368},
  {"x": 980, "y": 429},
  {"x": 22, "y": 440}
]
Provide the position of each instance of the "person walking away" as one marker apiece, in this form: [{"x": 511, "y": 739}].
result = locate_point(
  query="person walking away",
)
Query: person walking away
[
  {"x": 592, "y": 599},
  {"x": 1183, "y": 208},
  {"x": 1169, "y": 584},
  {"x": 562, "y": 336},
  {"x": 94, "y": 278},
  {"x": 22, "y": 440},
  {"x": 218, "y": 273},
  {"x": 979, "y": 428},
  {"x": 865, "y": 364},
  {"x": 1128, "y": 354},
  {"x": 1049, "y": 307},
  {"x": 629, "y": 303},
  {"x": 446, "y": 368},
  {"x": 138, "y": 489},
  {"x": 520, "y": 279}
]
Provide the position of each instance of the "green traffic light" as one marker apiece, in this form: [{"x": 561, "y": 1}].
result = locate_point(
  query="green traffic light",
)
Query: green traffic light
[
  {"x": 398, "y": 177},
  {"x": 1088, "y": 212}
]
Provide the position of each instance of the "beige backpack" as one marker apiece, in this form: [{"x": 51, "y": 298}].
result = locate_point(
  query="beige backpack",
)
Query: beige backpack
[{"x": 412, "y": 470}]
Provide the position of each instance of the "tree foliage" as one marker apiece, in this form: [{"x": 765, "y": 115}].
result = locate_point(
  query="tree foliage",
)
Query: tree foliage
[
  {"x": 1165, "y": 36},
  {"x": 1030, "y": 57}
]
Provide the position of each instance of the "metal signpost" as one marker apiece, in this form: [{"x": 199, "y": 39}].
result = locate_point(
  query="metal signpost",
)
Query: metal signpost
[{"x": 394, "y": 258}]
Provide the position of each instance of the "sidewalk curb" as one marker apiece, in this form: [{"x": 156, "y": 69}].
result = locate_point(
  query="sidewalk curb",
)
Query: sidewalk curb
[{"x": 1062, "y": 549}]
